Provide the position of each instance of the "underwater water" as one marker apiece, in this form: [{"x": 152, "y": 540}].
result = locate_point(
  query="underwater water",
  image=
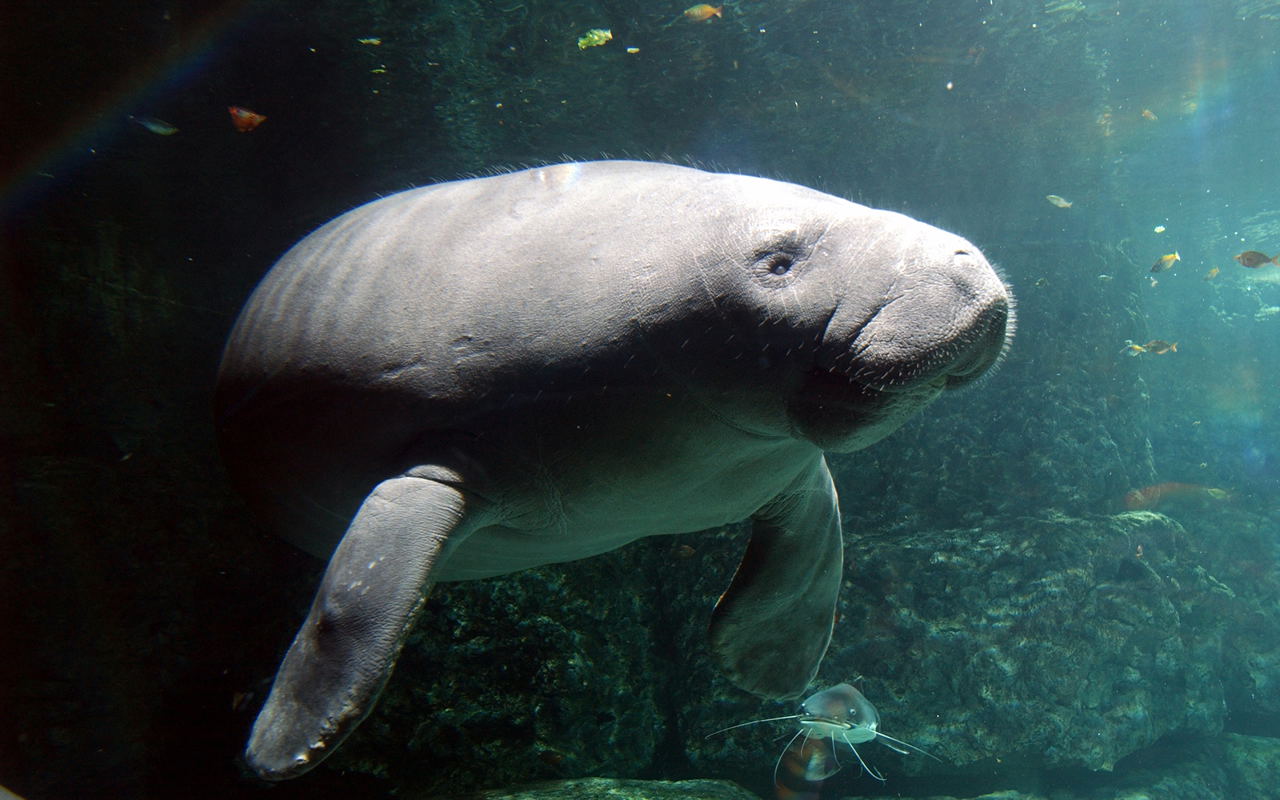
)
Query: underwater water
[{"x": 1059, "y": 581}]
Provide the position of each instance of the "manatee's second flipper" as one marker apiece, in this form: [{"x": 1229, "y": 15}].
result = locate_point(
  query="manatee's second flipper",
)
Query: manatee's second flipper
[
  {"x": 773, "y": 624},
  {"x": 373, "y": 589}
]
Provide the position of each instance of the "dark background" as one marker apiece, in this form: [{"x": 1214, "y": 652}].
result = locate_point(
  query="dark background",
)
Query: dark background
[{"x": 146, "y": 608}]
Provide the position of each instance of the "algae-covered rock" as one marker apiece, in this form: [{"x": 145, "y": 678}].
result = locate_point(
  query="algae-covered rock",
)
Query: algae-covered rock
[
  {"x": 1051, "y": 642},
  {"x": 545, "y": 673},
  {"x": 1026, "y": 644},
  {"x": 1253, "y": 764},
  {"x": 1005, "y": 794},
  {"x": 615, "y": 789}
]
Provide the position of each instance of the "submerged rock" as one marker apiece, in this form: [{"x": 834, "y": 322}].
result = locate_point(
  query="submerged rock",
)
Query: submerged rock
[
  {"x": 1023, "y": 647},
  {"x": 546, "y": 673},
  {"x": 1035, "y": 643},
  {"x": 615, "y": 789},
  {"x": 1253, "y": 765}
]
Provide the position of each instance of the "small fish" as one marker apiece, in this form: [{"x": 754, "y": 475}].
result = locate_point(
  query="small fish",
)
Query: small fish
[
  {"x": 633, "y": 50},
  {"x": 702, "y": 12},
  {"x": 1211, "y": 274},
  {"x": 1165, "y": 262},
  {"x": 244, "y": 119},
  {"x": 1138, "y": 553},
  {"x": 1059, "y": 201},
  {"x": 1157, "y": 346},
  {"x": 1159, "y": 229},
  {"x": 156, "y": 126},
  {"x": 594, "y": 38},
  {"x": 1149, "y": 115},
  {"x": 551, "y": 758},
  {"x": 373, "y": 40},
  {"x": 1253, "y": 259},
  {"x": 1160, "y": 347},
  {"x": 839, "y": 717},
  {"x": 1150, "y": 497}
]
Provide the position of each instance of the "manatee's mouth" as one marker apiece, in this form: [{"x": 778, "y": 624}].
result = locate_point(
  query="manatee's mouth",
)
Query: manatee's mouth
[
  {"x": 878, "y": 381},
  {"x": 860, "y": 402},
  {"x": 887, "y": 366},
  {"x": 839, "y": 413}
]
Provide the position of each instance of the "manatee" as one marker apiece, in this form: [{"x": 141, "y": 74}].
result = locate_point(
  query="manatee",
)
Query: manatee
[{"x": 467, "y": 379}]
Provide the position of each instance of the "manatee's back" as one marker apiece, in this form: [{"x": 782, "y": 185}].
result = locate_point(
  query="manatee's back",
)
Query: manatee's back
[
  {"x": 303, "y": 428},
  {"x": 408, "y": 318}
]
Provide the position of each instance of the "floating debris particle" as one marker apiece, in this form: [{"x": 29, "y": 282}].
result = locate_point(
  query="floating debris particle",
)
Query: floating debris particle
[
  {"x": 244, "y": 119},
  {"x": 594, "y": 38},
  {"x": 157, "y": 126}
]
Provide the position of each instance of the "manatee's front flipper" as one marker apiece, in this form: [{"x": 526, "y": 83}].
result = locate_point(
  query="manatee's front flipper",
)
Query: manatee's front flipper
[
  {"x": 773, "y": 624},
  {"x": 373, "y": 589}
]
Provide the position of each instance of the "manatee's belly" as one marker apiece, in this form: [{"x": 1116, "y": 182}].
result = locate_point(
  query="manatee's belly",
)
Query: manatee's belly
[
  {"x": 495, "y": 551},
  {"x": 612, "y": 503}
]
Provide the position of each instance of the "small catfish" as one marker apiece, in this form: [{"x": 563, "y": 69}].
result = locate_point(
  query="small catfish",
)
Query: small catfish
[
  {"x": 1254, "y": 259},
  {"x": 833, "y": 718}
]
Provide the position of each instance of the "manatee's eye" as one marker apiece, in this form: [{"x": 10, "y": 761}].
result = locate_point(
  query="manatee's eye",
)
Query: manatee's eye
[{"x": 779, "y": 263}]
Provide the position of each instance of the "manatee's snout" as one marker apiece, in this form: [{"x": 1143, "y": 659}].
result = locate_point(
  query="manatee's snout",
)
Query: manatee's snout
[
  {"x": 946, "y": 321},
  {"x": 943, "y": 319},
  {"x": 985, "y": 323}
]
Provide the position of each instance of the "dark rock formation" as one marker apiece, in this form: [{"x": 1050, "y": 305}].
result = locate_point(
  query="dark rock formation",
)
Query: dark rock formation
[{"x": 614, "y": 789}]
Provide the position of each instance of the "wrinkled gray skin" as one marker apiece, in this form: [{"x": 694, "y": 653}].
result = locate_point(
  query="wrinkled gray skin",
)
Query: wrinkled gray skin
[{"x": 473, "y": 378}]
